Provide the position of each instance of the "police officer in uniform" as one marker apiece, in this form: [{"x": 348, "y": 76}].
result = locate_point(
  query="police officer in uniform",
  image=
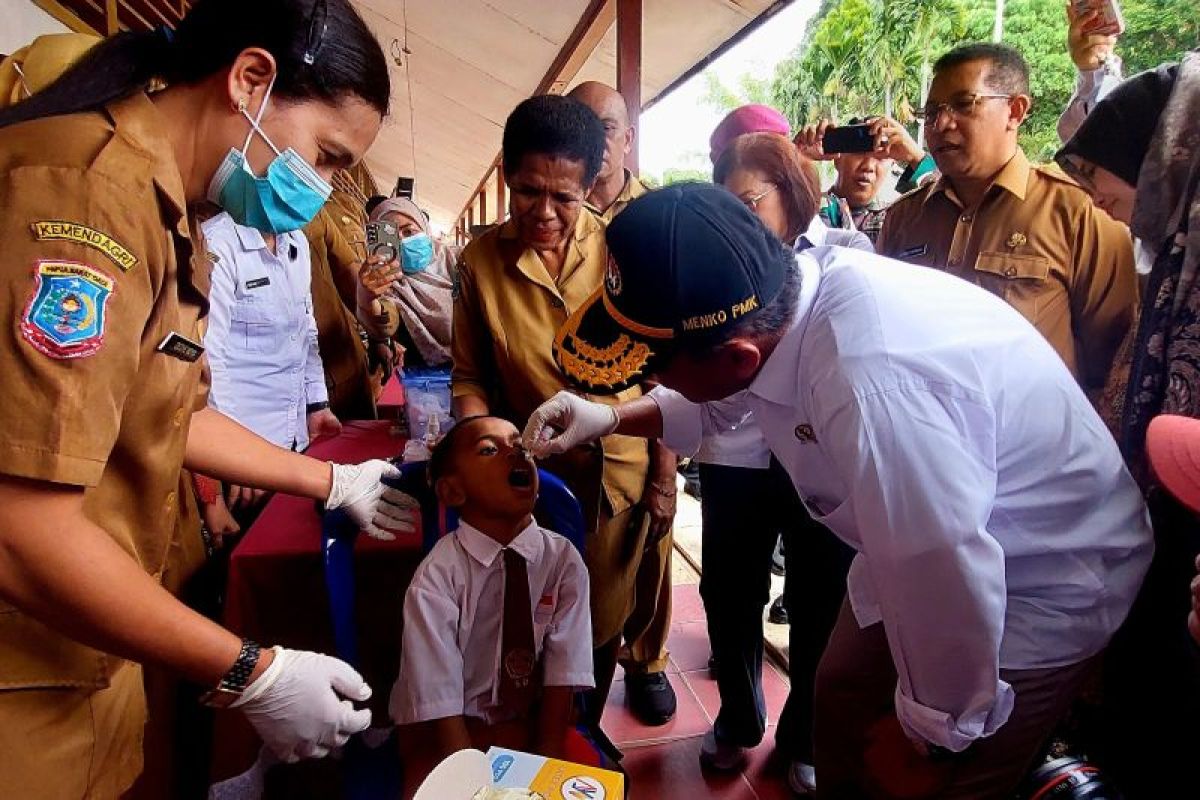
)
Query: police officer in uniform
[
  {"x": 1023, "y": 232},
  {"x": 105, "y": 294}
]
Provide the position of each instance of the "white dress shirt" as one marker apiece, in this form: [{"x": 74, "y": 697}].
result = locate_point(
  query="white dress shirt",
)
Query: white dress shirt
[
  {"x": 738, "y": 442},
  {"x": 1091, "y": 86},
  {"x": 261, "y": 338},
  {"x": 928, "y": 425},
  {"x": 453, "y": 615}
]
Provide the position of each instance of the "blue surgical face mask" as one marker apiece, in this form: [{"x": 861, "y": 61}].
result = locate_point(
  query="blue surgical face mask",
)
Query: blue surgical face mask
[
  {"x": 287, "y": 198},
  {"x": 416, "y": 253}
]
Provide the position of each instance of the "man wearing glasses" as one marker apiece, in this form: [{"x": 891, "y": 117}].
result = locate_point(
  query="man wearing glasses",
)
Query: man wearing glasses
[{"x": 1026, "y": 233}]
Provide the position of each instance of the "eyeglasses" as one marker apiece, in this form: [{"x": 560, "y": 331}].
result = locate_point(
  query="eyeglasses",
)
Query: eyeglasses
[
  {"x": 960, "y": 108},
  {"x": 752, "y": 202}
]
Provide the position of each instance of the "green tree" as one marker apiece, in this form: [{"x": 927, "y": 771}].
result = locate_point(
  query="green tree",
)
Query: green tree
[
  {"x": 749, "y": 89},
  {"x": 863, "y": 57}
]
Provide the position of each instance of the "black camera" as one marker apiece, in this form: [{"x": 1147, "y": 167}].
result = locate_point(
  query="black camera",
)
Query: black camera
[{"x": 1068, "y": 779}]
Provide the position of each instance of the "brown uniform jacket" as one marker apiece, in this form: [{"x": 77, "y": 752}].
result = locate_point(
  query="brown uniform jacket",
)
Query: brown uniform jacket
[
  {"x": 632, "y": 190},
  {"x": 96, "y": 271},
  {"x": 1037, "y": 241},
  {"x": 351, "y": 391},
  {"x": 506, "y": 312}
]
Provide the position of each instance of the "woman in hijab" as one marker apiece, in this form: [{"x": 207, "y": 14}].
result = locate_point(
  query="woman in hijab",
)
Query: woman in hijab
[
  {"x": 425, "y": 290},
  {"x": 1138, "y": 155}
]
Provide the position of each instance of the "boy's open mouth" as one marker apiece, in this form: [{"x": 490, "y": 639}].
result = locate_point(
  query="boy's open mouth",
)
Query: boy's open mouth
[{"x": 521, "y": 477}]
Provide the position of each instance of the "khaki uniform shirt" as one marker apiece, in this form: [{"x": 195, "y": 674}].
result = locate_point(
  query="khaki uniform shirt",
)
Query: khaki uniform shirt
[
  {"x": 1037, "y": 241},
  {"x": 632, "y": 190},
  {"x": 506, "y": 312},
  {"x": 96, "y": 272},
  {"x": 351, "y": 393}
]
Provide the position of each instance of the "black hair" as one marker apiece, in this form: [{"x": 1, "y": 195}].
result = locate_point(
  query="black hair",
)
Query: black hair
[
  {"x": 322, "y": 50},
  {"x": 373, "y": 201},
  {"x": 1008, "y": 74},
  {"x": 554, "y": 125},
  {"x": 442, "y": 457}
]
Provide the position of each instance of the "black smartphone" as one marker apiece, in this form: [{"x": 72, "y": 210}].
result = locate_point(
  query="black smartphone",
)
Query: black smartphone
[
  {"x": 848, "y": 139},
  {"x": 405, "y": 187}
]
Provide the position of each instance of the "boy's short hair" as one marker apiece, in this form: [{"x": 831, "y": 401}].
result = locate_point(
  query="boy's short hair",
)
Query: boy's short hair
[{"x": 442, "y": 457}]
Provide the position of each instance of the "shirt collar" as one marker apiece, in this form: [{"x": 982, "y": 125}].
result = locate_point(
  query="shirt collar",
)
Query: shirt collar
[
  {"x": 1013, "y": 178},
  {"x": 776, "y": 381},
  {"x": 484, "y": 548},
  {"x": 814, "y": 236},
  {"x": 252, "y": 238}
]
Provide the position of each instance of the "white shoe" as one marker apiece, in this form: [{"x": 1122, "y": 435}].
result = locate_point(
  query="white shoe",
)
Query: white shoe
[
  {"x": 721, "y": 756},
  {"x": 802, "y": 778}
]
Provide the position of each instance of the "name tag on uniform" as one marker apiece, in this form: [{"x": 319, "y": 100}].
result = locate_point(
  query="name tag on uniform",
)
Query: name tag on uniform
[
  {"x": 258, "y": 282},
  {"x": 915, "y": 252},
  {"x": 179, "y": 346}
]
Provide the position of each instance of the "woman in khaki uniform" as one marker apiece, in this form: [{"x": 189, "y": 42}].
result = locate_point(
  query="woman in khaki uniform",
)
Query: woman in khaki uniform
[
  {"x": 515, "y": 285},
  {"x": 102, "y": 374}
]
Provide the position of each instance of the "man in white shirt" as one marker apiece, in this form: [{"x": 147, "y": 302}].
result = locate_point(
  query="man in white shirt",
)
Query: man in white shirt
[
  {"x": 1000, "y": 538},
  {"x": 262, "y": 338}
]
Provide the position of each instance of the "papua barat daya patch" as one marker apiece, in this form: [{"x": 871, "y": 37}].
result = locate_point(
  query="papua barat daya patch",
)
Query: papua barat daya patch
[{"x": 65, "y": 317}]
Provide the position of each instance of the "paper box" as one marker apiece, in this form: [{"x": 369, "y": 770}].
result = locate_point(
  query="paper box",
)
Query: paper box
[{"x": 553, "y": 779}]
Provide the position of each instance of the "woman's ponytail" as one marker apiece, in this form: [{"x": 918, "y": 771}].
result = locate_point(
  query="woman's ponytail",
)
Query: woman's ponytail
[{"x": 322, "y": 49}]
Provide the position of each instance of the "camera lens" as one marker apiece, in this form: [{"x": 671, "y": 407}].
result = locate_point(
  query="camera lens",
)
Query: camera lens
[{"x": 1068, "y": 779}]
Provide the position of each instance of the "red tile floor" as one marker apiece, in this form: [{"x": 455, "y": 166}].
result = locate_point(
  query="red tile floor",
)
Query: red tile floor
[{"x": 663, "y": 763}]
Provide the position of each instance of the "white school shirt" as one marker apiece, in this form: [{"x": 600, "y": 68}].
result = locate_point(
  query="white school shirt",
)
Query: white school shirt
[
  {"x": 932, "y": 428},
  {"x": 737, "y": 441},
  {"x": 453, "y": 615},
  {"x": 261, "y": 338}
]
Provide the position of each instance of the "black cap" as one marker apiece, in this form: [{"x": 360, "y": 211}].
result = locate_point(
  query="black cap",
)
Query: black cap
[{"x": 686, "y": 263}]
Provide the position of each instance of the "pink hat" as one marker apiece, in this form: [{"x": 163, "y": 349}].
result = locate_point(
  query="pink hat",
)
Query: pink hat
[
  {"x": 1173, "y": 447},
  {"x": 753, "y": 118}
]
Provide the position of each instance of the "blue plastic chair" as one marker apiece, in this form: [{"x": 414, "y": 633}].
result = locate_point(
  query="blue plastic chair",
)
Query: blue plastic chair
[{"x": 374, "y": 773}]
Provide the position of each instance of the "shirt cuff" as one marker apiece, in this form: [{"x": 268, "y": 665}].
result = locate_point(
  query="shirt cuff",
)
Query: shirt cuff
[
  {"x": 683, "y": 428},
  {"x": 315, "y": 391},
  {"x": 926, "y": 724},
  {"x": 575, "y": 680}
]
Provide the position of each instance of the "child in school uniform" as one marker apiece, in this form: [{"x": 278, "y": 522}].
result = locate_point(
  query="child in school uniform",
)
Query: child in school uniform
[{"x": 497, "y": 632}]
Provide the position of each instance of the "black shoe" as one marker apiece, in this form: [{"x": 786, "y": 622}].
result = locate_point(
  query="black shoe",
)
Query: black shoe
[
  {"x": 779, "y": 613},
  {"x": 650, "y": 698}
]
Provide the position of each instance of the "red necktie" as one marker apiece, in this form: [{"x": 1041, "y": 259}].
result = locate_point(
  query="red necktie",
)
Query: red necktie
[{"x": 517, "y": 655}]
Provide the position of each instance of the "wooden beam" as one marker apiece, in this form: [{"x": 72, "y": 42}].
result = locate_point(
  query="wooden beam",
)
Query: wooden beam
[
  {"x": 65, "y": 16},
  {"x": 111, "y": 18},
  {"x": 629, "y": 68},
  {"x": 593, "y": 24},
  {"x": 483, "y": 206},
  {"x": 501, "y": 200}
]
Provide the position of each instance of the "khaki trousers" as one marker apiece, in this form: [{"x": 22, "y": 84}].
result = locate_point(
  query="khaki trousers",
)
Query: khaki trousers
[
  {"x": 649, "y": 623},
  {"x": 856, "y": 681}
]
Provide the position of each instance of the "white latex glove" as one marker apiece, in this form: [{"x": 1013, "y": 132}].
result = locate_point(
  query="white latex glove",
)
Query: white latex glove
[
  {"x": 296, "y": 705},
  {"x": 374, "y": 507},
  {"x": 566, "y": 421}
]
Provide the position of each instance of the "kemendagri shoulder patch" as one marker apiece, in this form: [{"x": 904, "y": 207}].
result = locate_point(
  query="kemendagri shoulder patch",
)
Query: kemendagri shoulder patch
[
  {"x": 57, "y": 230},
  {"x": 65, "y": 317}
]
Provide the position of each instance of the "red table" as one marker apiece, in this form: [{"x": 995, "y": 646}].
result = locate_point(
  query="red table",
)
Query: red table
[{"x": 276, "y": 591}]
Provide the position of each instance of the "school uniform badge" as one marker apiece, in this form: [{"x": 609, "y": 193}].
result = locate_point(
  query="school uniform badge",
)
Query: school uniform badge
[{"x": 66, "y": 316}]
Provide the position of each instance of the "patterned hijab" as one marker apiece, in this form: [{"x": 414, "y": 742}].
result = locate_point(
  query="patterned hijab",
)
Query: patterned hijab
[{"x": 1165, "y": 373}]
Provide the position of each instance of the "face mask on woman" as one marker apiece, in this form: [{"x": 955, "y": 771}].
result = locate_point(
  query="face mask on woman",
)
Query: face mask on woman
[
  {"x": 416, "y": 253},
  {"x": 287, "y": 198}
]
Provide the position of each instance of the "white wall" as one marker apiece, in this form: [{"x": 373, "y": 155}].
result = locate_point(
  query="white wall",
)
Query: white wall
[{"x": 21, "y": 22}]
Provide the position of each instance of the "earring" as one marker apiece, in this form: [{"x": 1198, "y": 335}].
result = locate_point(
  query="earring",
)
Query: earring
[{"x": 242, "y": 104}]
